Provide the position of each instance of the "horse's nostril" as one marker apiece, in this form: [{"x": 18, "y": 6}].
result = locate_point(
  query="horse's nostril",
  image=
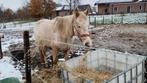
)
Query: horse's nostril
[{"x": 87, "y": 44}]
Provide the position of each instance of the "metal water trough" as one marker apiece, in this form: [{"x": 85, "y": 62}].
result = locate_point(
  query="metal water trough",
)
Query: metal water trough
[{"x": 126, "y": 68}]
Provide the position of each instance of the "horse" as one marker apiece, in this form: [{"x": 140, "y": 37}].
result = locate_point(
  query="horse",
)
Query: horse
[{"x": 57, "y": 34}]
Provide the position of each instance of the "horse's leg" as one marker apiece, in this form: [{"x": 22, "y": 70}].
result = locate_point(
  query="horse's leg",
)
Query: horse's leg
[
  {"x": 66, "y": 54},
  {"x": 42, "y": 51},
  {"x": 54, "y": 52}
]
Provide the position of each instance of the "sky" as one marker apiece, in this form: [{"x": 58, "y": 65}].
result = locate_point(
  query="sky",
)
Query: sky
[
  {"x": 12, "y": 4},
  {"x": 15, "y": 4}
]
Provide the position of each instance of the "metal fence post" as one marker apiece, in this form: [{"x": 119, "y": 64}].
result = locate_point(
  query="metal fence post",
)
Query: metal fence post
[
  {"x": 112, "y": 19},
  {"x": 1, "y": 53},
  {"x": 27, "y": 56},
  {"x": 146, "y": 18},
  {"x": 145, "y": 73},
  {"x": 103, "y": 20},
  {"x": 95, "y": 22},
  {"x": 89, "y": 21}
]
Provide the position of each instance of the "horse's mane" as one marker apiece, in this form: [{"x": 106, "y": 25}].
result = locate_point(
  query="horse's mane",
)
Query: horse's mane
[{"x": 64, "y": 24}]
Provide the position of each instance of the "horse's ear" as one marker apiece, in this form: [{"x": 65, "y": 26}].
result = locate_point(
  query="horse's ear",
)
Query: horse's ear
[
  {"x": 76, "y": 12},
  {"x": 86, "y": 11}
]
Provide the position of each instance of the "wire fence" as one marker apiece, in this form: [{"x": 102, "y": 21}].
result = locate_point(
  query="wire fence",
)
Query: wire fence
[
  {"x": 106, "y": 60},
  {"x": 133, "y": 18},
  {"x": 34, "y": 51}
]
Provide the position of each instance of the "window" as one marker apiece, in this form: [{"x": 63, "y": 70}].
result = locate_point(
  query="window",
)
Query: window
[
  {"x": 128, "y": 9},
  {"x": 140, "y": 7},
  {"x": 106, "y": 11},
  {"x": 115, "y": 9},
  {"x": 107, "y": 5}
]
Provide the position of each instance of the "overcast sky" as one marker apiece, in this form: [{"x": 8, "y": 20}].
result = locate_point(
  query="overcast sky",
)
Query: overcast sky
[{"x": 15, "y": 4}]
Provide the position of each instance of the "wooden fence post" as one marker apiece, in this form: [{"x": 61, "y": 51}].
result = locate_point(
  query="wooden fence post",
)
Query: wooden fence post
[
  {"x": 1, "y": 53},
  {"x": 27, "y": 56}
]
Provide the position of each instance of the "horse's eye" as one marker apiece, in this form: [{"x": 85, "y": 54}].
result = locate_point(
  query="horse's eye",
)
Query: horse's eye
[{"x": 78, "y": 26}]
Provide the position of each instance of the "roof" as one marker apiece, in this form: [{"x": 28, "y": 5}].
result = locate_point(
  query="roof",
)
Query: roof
[
  {"x": 63, "y": 7},
  {"x": 84, "y": 7},
  {"x": 67, "y": 7},
  {"x": 112, "y": 1}
]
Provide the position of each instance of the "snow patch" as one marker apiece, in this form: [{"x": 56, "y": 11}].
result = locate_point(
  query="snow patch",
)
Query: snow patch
[{"x": 7, "y": 69}]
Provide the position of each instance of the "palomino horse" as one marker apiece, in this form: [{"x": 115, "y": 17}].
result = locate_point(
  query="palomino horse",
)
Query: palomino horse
[{"x": 57, "y": 33}]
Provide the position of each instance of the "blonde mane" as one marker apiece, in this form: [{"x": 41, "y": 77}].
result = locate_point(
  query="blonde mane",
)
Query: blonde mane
[{"x": 64, "y": 25}]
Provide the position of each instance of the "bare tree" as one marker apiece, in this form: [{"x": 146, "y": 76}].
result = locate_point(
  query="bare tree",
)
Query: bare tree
[
  {"x": 73, "y": 4},
  {"x": 8, "y": 14},
  {"x": 49, "y": 8}
]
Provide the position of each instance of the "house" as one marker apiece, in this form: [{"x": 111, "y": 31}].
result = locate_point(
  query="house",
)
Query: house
[
  {"x": 65, "y": 9},
  {"x": 120, "y": 6},
  {"x": 84, "y": 7}
]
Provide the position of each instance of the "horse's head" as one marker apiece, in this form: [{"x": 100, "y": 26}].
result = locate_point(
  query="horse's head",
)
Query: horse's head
[{"x": 81, "y": 24}]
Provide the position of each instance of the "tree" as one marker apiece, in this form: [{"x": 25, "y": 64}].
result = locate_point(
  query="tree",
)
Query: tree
[
  {"x": 73, "y": 4},
  {"x": 49, "y": 8},
  {"x": 41, "y": 8},
  {"x": 36, "y": 8},
  {"x": 23, "y": 13},
  {"x": 20, "y": 14},
  {"x": 8, "y": 14}
]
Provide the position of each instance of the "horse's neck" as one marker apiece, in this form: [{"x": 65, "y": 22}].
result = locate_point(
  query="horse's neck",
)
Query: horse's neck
[{"x": 67, "y": 25}]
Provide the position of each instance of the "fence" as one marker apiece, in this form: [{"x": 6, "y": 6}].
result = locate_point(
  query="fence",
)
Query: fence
[
  {"x": 125, "y": 68},
  {"x": 17, "y": 25},
  {"x": 106, "y": 62},
  {"x": 132, "y": 18}
]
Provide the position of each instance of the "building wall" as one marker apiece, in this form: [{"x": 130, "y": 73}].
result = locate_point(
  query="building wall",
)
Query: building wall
[
  {"x": 145, "y": 4},
  {"x": 102, "y": 8},
  {"x": 119, "y": 8},
  {"x": 62, "y": 13}
]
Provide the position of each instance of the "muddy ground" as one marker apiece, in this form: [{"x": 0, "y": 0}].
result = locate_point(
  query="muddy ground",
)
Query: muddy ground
[{"x": 125, "y": 38}]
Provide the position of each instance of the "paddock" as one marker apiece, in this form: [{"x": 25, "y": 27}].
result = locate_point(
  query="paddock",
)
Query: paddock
[{"x": 128, "y": 61}]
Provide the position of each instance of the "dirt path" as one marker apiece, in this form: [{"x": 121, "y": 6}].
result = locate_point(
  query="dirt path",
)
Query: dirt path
[{"x": 124, "y": 38}]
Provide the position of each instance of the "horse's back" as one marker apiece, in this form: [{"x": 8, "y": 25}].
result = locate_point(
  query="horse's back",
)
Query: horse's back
[{"x": 43, "y": 31}]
